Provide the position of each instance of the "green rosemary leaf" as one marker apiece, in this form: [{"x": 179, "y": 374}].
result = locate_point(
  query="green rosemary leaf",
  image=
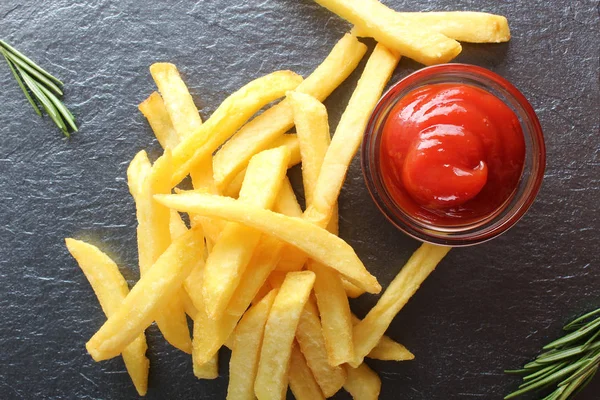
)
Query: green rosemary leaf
[
  {"x": 516, "y": 371},
  {"x": 35, "y": 74},
  {"x": 30, "y": 62},
  {"x": 543, "y": 373},
  {"x": 578, "y": 384},
  {"x": 567, "y": 353},
  {"x": 67, "y": 116},
  {"x": 575, "y": 336},
  {"x": 20, "y": 82},
  {"x": 579, "y": 322},
  {"x": 46, "y": 103}
]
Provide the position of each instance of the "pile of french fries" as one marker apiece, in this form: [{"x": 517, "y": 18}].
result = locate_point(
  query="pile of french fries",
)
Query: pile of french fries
[{"x": 251, "y": 269}]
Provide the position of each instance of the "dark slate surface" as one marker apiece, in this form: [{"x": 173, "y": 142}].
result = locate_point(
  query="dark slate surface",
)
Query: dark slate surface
[{"x": 485, "y": 309}]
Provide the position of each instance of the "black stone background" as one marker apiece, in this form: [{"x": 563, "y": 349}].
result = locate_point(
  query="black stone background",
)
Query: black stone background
[{"x": 486, "y": 308}]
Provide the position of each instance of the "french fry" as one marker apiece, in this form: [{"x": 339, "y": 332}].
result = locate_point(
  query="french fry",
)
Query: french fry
[
  {"x": 233, "y": 250},
  {"x": 137, "y": 172},
  {"x": 154, "y": 236},
  {"x": 290, "y": 141},
  {"x": 369, "y": 331},
  {"x": 208, "y": 370},
  {"x": 363, "y": 383},
  {"x": 335, "y": 313},
  {"x": 262, "y": 292},
  {"x": 274, "y": 122},
  {"x": 302, "y": 382},
  {"x": 188, "y": 304},
  {"x": 176, "y": 225},
  {"x": 111, "y": 289},
  {"x": 312, "y": 128},
  {"x": 409, "y": 38},
  {"x": 316, "y": 242},
  {"x": 228, "y": 118},
  {"x": 312, "y": 343},
  {"x": 153, "y": 108},
  {"x": 387, "y": 349},
  {"x": 247, "y": 344},
  {"x": 272, "y": 375},
  {"x": 276, "y": 279},
  {"x": 292, "y": 259},
  {"x": 349, "y": 133},
  {"x": 177, "y": 99},
  {"x": 152, "y": 292},
  {"x": 464, "y": 26},
  {"x": 286, "y": 202},
  {"x": 351, "y": 289}
]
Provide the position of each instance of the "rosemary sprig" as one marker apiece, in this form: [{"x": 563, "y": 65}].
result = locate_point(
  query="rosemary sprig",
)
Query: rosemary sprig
[
  {"x": 36, "y": 81},
  {"x": 568, "y": 364}
]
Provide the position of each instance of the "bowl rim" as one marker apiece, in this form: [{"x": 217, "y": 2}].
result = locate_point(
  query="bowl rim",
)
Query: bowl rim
[{"x": 443, "y": 235}]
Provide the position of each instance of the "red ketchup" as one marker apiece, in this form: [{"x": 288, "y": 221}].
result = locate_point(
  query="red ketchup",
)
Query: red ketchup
[{"x": 451, "y": 154}]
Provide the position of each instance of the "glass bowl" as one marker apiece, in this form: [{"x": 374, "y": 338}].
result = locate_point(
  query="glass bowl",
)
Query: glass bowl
[{"x": 504, "y": 216}]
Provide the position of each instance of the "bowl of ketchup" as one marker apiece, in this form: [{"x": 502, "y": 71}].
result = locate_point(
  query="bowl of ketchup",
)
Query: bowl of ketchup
[{"x": 453, "y": 154}]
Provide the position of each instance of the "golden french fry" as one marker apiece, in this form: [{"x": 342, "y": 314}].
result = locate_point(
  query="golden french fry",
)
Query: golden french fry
[
  {"x": 111, "y": 289},
  {"x": 153, "y": 291},
  {"x": 312, "y": 128},
  {"x": 262, "y": 292},
  {"x": 333, "y": 225},
  {"x": 208, "y": 370},
  {"x": 316, "y": 242},
  {"x": 153, "y": 108},
  {"x": 290, "y": 141},
  {"x": 154, "y": 236},
  {"x": 362, "y": 383},
  {"x": 369, "y": 331},
  {"x": 312, "y": 343},
  {"x": 286, "y": 202},
  {"x": 177, "y": 99},
  {"x": 188, "y": 304},
  {"x": 409, "y": 38},
  {"x": 228, "y": 118},
  {"x": 336, "y": 317},
  {"x": 274, "y": 122},
  {"x": 387, "y": 349},
  {"x": 139, "y": 168},
  {"x": 247, "y": 344},
  {"x": 464, "y": 26},
  {"x": 233, "y": 251},
  {"x": 351, "y": 289},
  {"x": 176, "y": 225},
  {"x": 214, "y": 333},
  {"x": 276, "y": 279},
  {"x": 302, "y": 382},
  {"x": 349, "y": 133},
  {"x": 272, "y": 375}
]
